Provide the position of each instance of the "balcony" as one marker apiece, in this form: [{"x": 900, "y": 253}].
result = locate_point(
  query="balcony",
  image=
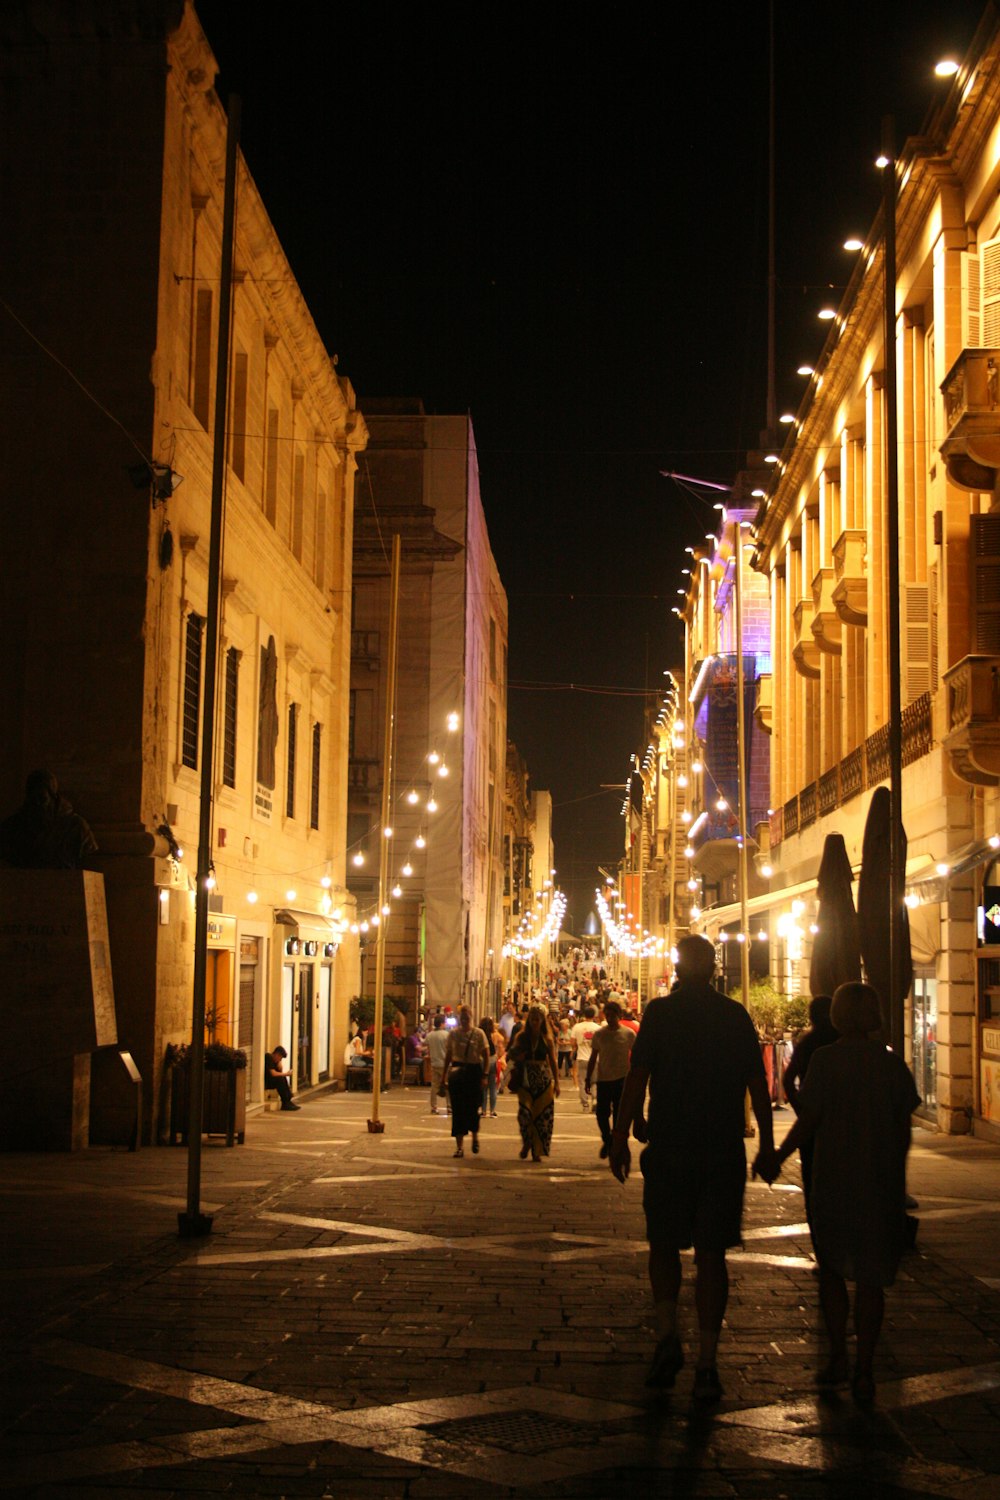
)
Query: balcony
[
  {"x": 850, "y": 590},
  {"x": 763, "y": 709},
  {"x": 805, "y": 651},
  {"x": 827, "y": 624},
  {"x": 973, "y": 738},
  {"x": 868, "y": 764},
  {"x": 971, "y": 448},
  {"x": 364, "y": 775},
  {"x": 365, "y": 648}
]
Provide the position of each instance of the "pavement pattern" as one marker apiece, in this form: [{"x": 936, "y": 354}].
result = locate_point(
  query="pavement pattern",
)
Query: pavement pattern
[{"x": 370, "y": 1318}]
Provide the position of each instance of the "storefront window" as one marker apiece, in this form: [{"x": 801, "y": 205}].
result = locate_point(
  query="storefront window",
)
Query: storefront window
[{"x": 925, "y": 1039}]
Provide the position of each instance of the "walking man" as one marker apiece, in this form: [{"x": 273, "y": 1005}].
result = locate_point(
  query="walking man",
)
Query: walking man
[
  {"x": 698, "y": 1051},
  {"x": 437, "y": 1046},
  {"x": 583, "y": 1036},
  {"x": 609, "y": 1054}
]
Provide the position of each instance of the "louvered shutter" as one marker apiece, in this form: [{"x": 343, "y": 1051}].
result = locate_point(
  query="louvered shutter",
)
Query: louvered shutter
[
  {"x": 971, "y": 302},
  {"x": 916, "y": 641},
  {"x": 984, "y": 547},
  {"x": 989, "y": 266}
]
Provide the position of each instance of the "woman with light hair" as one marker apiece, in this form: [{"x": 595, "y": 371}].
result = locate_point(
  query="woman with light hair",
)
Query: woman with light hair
[
  {"x": 465, "y": 1064},
  {"x": 855, "y": 1105}
]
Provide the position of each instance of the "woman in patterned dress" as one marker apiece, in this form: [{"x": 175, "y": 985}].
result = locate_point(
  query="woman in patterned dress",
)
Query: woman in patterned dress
[{"x": 534, "y": 1054}]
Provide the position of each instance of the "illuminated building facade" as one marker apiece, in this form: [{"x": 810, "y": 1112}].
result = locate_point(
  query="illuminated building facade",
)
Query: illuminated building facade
[
  {"x": 113, "y": 165},
  {"x": 712, "y": 832},
  {"x": 822, "y": 543},
  {"x": 445, "y": 934}
]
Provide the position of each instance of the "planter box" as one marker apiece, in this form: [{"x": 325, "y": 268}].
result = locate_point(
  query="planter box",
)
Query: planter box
[{"x": 224, "y": 1105}]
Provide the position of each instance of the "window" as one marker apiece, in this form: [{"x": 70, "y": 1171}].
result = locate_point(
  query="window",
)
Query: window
[
  {"x": 298, "y": 504},
  {"x": 192, "y": 691},
  {"x": 271, "y": 467},
  {"x": 231, "y": 694},
  {"x": 293, "y": 724},
  {"x": 314, "y": 776},
  {"x": 319, "y": 546},
  {"x": 201, "y": 373},
  {"x": 238, "y": 437}
]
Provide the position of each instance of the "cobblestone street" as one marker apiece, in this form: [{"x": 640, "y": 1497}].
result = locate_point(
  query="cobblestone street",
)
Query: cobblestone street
[{"x": 371, "y": 1318}]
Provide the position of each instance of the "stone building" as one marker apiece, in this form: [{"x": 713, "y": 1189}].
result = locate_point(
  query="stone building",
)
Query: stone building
[
  {"x": 822, "y": 542},
  {"x": 113, "y": 146},
  {"x": 420, "y": 480}
]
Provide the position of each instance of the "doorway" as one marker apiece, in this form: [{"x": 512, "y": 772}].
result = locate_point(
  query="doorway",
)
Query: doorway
[{"x": 303, "y": 1070}]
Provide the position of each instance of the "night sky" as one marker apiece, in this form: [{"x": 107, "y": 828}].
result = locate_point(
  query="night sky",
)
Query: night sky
[{"x": 557, "y": 221}]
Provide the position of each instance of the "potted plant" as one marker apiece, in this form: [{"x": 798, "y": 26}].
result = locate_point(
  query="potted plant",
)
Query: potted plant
[{"x": 224, "y": 1102}]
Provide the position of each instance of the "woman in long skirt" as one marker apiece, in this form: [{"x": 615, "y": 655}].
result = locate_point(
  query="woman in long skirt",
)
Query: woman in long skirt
[
  {"x": 534, "y": 1055},
  {"x": 465, "y": 1063}
]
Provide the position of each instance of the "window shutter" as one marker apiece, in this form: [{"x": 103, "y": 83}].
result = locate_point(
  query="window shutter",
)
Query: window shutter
[
  {"x": 916, "y": 641},
  {"x": 984, "y": 546},
  {"x": 989, "y": 263},
  {"x": 934, "y": 607},
  {"x": 971, "y": 301}
]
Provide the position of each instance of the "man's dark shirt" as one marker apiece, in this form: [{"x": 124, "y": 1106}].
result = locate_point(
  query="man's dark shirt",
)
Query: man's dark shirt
[{"x": 701, "y": 1051}]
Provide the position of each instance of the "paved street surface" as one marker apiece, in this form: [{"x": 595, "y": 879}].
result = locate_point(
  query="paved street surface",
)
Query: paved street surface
[{"x": 371, "y": 1318}]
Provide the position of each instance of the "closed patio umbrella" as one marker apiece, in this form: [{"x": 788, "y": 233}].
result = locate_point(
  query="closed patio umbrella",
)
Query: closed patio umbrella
[
  {"x": 874, "y": 913},
  {"x": 836, "y": 954}
]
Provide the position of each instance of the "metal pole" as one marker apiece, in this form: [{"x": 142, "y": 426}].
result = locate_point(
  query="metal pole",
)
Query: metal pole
[
  {"x": 897, "y": 873},
  {"x": 641, "y": 890},
  {"x": 192, "y": 1222},
  {"x": 741, "y": 757},
  {"x": 375, "y": 1125},
  {"x": 672, "y": 864},
  {"x": 741, "y": 760}
]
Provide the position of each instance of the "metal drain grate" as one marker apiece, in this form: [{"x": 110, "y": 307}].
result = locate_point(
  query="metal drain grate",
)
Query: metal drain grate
[{"x": 526, "y": 1432}]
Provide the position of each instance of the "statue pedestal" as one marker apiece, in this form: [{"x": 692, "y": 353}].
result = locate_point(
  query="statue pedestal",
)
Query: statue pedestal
[{"x": 56, "y": 1004}]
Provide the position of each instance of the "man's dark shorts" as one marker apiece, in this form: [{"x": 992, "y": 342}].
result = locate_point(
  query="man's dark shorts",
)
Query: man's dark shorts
[{"x": 692, "y": 1200}]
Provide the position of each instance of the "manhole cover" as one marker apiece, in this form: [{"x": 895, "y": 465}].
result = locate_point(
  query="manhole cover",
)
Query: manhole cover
[{"x": 515, "y": 1431}]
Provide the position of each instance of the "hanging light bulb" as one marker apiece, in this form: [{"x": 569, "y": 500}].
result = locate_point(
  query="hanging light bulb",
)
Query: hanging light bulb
[
  {"x": 407, "y": 869},
  {"x": 689, "y": 851},
  {"x": 682, "y": 780},
  {"x": 443, "y": 770},
  {"x": 452, "y": 722},
  {"x": 420, "y": 841},
  {"x": 326, "y": 882},
  {"x": 432, "y": 806},
  {"x": 722, "y": 804},
  {"x": 696, "y": 767},
  {"x": 397, "y": 890},
  {"x": 210, "y": 881},
  {"x": 358, "y": 858},
  {"x": 363, "y": 926},
  {"x": 433, "y": 758},
  {"x": 685, "y": 816},
  {"x": 692, "y": 885},
  {"x": 387, "y": 832},
  {"x": 412, "y": 797},
  {"x": 252, "y": 897},
  {"x": 386, "y": 909},
  {"x": 290, "y": 895},
  {"x": 375, "y": 919}
]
